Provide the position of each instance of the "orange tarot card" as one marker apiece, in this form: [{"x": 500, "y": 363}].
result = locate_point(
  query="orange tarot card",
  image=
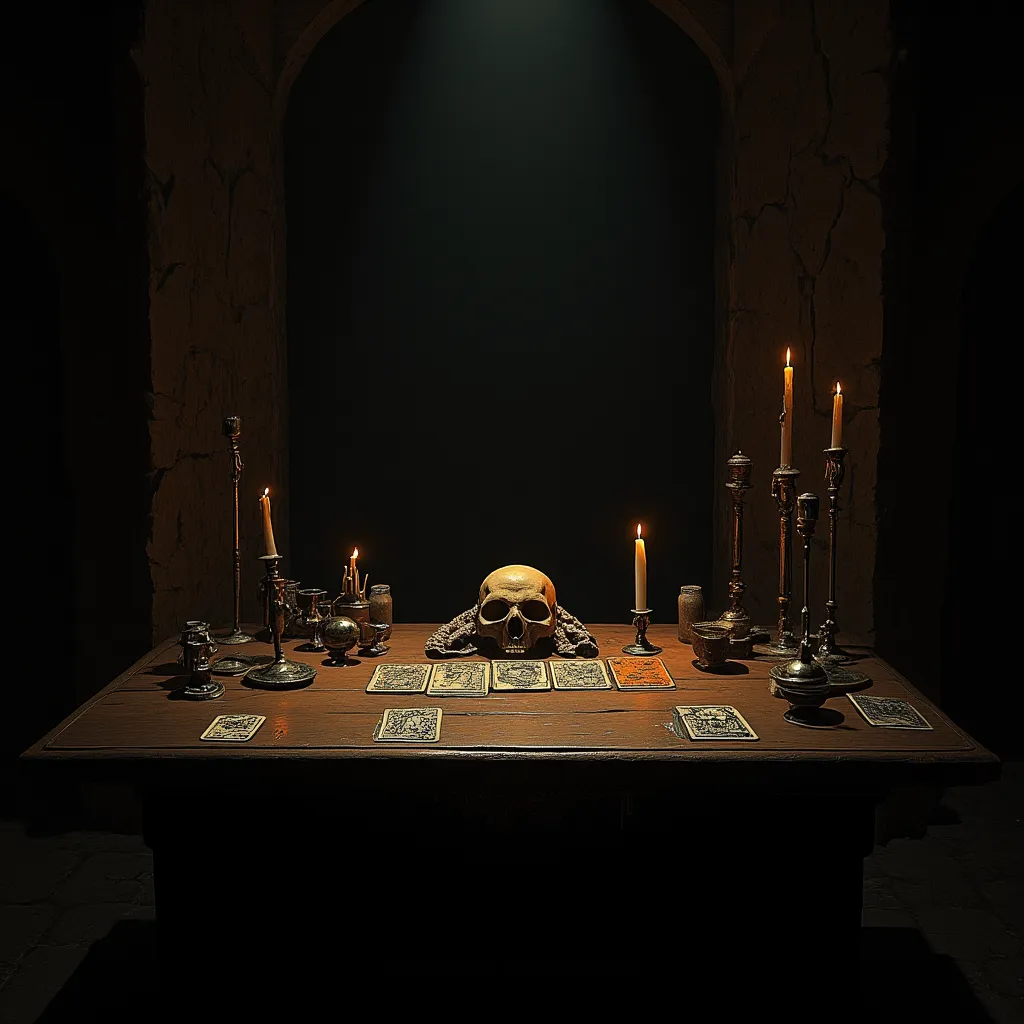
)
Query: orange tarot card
[{"x": 640, "y": 674}]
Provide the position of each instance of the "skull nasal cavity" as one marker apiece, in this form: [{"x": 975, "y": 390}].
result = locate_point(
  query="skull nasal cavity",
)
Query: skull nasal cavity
[
  {"x": 494, "y": 611},
  {"x": 515, "y": 627}
]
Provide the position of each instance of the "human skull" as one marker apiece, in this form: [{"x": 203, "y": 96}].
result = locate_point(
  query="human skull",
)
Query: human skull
[{"x": 516, "y": 608}]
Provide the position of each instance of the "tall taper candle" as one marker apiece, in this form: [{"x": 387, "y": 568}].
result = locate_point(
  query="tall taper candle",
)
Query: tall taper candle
[
  {"x": 786, "y": 457},
  {"x": 837, "y": 417},
  {"x": 640, "y": 571},
  {"x": 268, "y": 526}
]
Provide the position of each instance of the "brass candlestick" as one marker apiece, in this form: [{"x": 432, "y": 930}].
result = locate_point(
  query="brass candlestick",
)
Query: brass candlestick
[
  {"x": 641, "y": 646},
  {"x": 835, "y": 470},
  {"x": 802, "y": 681},
  {"x": 233, "y": 431},
  {"x": 784, "y": 492},
  {"x": 280, "y": 674},
  {"x": 735, "y": 617}
]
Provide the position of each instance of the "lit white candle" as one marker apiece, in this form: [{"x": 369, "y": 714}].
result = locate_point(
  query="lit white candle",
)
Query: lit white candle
[
  {"x": 786, "y": 457},
  {"x": 640, "y": 572},
  {"x": 268, "y": 526},
  {"x": 837, "y": 417}
]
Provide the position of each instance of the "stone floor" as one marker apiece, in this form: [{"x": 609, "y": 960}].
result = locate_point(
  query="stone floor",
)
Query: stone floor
[{"x": 942, "y": 935}]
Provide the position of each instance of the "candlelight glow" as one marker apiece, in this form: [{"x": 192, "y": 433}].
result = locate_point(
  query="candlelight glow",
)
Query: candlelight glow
[
  {"x": 839, "y": 390},
  {"x": 787, "y": 357},
  {"x": 638, "y": 529},
  {"x": 355, "y": 552},
  {"x": 266, "y": 491}
]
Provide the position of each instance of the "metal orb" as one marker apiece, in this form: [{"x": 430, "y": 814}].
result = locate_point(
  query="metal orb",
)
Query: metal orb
[{"x": 340, "y": 634}]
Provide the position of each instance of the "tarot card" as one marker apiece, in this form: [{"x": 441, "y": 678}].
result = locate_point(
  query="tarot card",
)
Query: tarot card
[
  {"x": 468, "y": 679},
  {"x": 234, "y": 728},
  {"x": 399, "y": 679},
  {"x": 409, "y": 725},
  {"x": 519, "y": 675},
  {"x": 641, "y": 674},
  {"x": 580, "y": 675},
  {"x": 712, "y": 722},
  {"x": 890, "y": 712}
]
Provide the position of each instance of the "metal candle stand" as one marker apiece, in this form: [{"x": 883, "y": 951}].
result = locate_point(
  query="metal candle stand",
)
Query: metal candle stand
[
  {"x": 280, "y": 674},
  {"x": 784, "y": 492},
  {"x": 802, "y": 681},
  {"x": 196, "y": 648},
  {"x": 233, "y": 431},
  {"x": 834, "y": 473},
  {"x": 735, "y": 617},
  {"x": 641, "y": 646}
]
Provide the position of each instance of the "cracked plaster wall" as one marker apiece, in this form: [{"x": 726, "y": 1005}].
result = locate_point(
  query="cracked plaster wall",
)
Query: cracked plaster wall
[{"x": 804, "y": 139}]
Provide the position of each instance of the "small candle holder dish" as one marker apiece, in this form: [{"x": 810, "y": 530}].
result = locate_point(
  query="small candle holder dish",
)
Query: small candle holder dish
[
  {"x": 238, "y": 664},
  {"x": 340, "y": 635},
  {"x": 371, "y": 639},
  {"x": 641, "y": 646},
  {"x": 280, "y": 674},
  {"x": 802, "y": 681}
]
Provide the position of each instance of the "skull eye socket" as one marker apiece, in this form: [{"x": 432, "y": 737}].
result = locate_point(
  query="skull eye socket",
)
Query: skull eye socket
[
  {"x": 535, "y": 611},
  {"x": 494, "y": 611}
]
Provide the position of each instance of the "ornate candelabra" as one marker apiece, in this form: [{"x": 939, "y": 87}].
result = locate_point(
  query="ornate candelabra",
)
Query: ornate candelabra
[
  {"x": 735, "y": 617},
  {"x": 835, "y": 470},
  {"x": 641, "y": 646},
  {"x": 802, "y": 681},
  {"x": 233, "y": 431},
  {"x": 280, "y": 674}
]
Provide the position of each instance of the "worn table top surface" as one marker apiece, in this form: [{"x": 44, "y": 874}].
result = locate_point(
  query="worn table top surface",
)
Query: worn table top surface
[{"x": 135, "y": 720}]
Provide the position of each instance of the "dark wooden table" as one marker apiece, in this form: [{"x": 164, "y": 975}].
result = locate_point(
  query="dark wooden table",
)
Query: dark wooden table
[{"x": 544, "y": 828}]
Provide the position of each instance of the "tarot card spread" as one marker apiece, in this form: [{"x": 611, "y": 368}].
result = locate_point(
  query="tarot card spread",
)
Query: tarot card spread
[
  {"x": 889, "y": 712},
  {"x": 519, "y": 675},
  {"x": 235, "y": 728},
  {"x": 470, "y": 679},
  {"x": 580, "y": 675},
  {"x": 712, "y": 722},
  {"x": 409, "y": 725},
  {"x": 399, "y": 679},
  {"x": 641, "y": 674}
]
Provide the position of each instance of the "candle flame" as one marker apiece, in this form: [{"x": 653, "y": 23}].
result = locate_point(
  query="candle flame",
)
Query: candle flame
[
  {"x": 839, "y": 390},
  {"x": 266, "y": 491},
  {"x": 355, "y": 552},
  {"x": 638, "y": 531},
  {"x": 787, "y": 357}
]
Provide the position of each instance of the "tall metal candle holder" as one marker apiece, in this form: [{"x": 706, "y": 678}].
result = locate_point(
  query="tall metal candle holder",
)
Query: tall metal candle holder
[
  {"x": 835, "y": 470},
  {"x": 735, "y": 617},
  {"x": 802, "y": 681},
  {"x": 280, "y": 674},
  {"x": 784, "y": 492},
  {"x": 233, "y": 431},
  {"x": 641, "y": 646}
]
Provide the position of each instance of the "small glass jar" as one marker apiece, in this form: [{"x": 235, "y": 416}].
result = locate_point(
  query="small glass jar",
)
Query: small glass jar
[
  {"x": 691, "y": 610},
  {"x": 380, "y": 606}
]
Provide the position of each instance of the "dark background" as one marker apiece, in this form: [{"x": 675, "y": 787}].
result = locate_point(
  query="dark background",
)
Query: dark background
[
  {"x": 500, "y": 262},
  {"x": 76, "y": 347}
]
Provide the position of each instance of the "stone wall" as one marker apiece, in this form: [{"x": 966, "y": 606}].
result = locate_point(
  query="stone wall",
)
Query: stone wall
[{"x": 804, "y": 140}]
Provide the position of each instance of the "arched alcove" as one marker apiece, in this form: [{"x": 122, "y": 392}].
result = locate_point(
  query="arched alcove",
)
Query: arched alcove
[{"x": 500, "y": 299}]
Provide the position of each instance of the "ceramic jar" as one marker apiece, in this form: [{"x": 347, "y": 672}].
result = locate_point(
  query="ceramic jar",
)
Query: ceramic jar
[
  {"x": 691, "y": 610},
  {"x": 380, "y": 606}
]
